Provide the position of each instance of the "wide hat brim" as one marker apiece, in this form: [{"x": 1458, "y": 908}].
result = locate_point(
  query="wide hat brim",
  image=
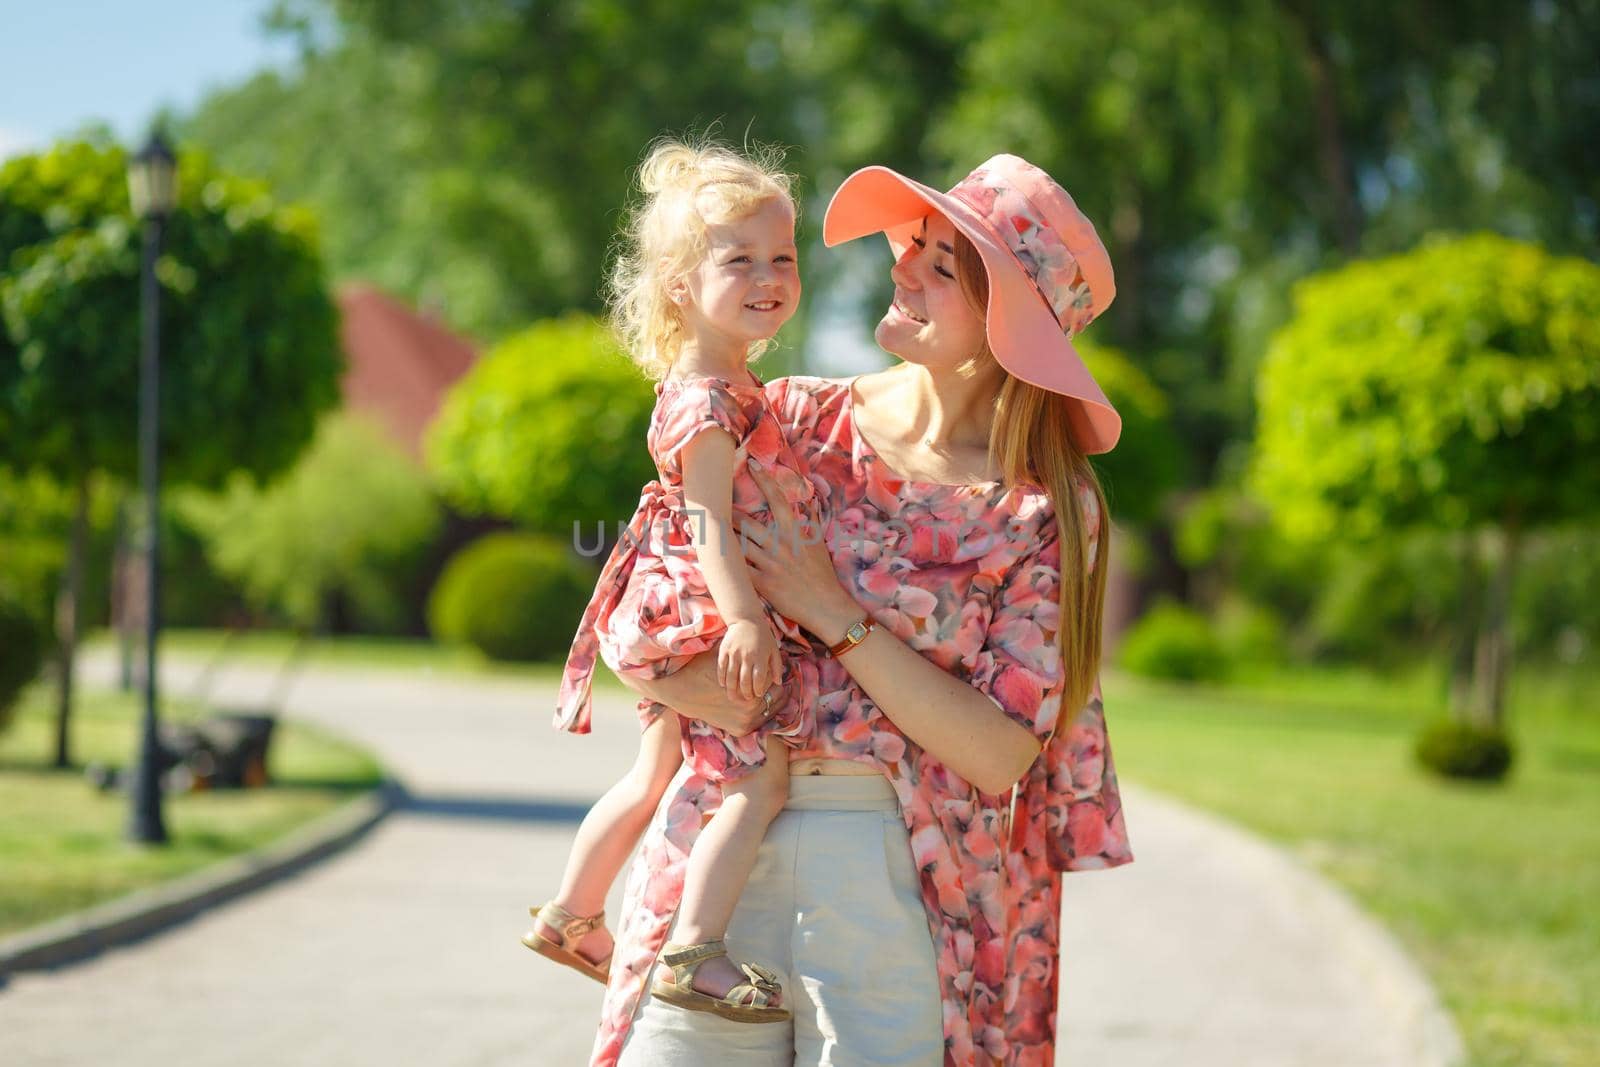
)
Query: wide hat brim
[{"x": 1024, "y": 334}]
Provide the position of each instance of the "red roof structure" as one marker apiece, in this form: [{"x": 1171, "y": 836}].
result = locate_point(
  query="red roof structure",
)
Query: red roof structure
[{"x": 399, "y": 363}]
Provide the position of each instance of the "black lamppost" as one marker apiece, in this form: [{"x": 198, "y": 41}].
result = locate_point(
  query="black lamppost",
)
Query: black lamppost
[{"x": 153, "y": 189}]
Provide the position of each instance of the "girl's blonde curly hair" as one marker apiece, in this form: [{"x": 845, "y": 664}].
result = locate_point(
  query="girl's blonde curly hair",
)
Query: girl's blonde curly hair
[{"x": 685, "y": 187}]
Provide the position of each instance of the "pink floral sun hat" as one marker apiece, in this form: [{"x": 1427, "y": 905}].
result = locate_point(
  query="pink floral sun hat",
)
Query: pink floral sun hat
[{"x": 1049, "y": 275}]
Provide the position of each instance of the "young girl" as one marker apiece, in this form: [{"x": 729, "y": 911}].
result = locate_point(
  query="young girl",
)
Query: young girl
[{"x": 707, "y": 279}]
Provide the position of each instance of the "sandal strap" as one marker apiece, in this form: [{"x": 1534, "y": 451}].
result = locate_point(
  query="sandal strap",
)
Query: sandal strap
[
  {"x": 757, "y": 994},
  {"x": 761, "y": 978},
  {"x": 676, "y": 956},
  {"x": 571, "y": 926}
]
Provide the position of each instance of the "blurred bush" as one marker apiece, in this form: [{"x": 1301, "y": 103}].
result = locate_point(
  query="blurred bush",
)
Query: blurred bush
[
  {"x": 36, "y": 513},
  {"x": 1229, "y": 545},
  {"x": 1455, "y": 386},
  {"x": 1463, "y": 750},
  {"x": 548, "y": 429},
  {"x": 250, "y": 337},
  {"x": 1149, "y": 460},
  {"x": 1556, "y": 612},
  {"x": 352, "y": 520},
  {"x": 21, "y": 654},
  {"x": 1174, "y": 642},
  {"x": 1250, "y": 634},
  {"x": 512, "y": 597}
]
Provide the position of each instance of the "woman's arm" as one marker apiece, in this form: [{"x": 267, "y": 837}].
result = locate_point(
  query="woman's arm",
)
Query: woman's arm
[
  {"x": 695, "y": 692},
  {"x": 954, "y": 721}
]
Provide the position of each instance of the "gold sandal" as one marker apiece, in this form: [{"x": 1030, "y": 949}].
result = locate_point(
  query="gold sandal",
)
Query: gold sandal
[
  {"x": 572, "y": 930},
  {"x": 747, "y": 1002}
]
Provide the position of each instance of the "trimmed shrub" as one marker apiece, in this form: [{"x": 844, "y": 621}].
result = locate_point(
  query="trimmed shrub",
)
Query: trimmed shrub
[
  {"x": 512, "y": 597},
  {"x": 546, "y": 430},
  {"x": 21, "y": 655},
  {"x": 1250, "y": 633},
  {"x": 1461, "y": 750},
  {"x": 1174, "y": 642},
  {"x": 352, "y": 520}
]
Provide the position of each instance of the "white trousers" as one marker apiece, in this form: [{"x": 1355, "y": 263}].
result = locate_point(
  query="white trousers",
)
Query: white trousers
[{"x": 834, "y": 907}]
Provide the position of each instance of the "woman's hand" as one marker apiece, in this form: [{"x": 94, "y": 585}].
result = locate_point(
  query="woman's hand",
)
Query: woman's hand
[
  {"x": 695, "y": 692},
  {"x": 791, "y": 569}
]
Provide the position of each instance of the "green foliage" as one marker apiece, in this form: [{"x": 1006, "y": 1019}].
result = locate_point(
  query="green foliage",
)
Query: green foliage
[
  {"x": 1387, "y": 600},
  {"x": 1218, "y": 152},
  {"x": 548, "y": 429},
  {"x": 475, "y": 155},
  {"x": 1148, "y": 461},
  {"x": 349, "y": 519},
  {"x": 1555, "y": 609},
  {"x": 249, "y": 337},
  {"x": 1228, "y": 543},
  {"x": 21, "y": 655},
  {"x": 1250, "y": 634},
  {"x": 35, "y": 521},
  {"x": 1452, "y": 386},
  {"x": 511, "y": 596},
  {"x": 1174, "y": 642},
  {"x": 496, "y": 140},
  {"x": 1462, "y": 750}
]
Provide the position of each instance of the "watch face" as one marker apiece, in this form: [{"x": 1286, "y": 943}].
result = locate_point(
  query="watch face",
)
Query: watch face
[{"x": 857, "y": 632}]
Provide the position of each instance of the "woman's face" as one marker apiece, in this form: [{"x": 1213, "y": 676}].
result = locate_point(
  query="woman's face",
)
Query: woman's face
[{"x": 930, "y": 321}]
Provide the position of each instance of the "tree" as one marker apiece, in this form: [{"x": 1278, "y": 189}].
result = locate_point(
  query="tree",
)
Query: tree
[
  {"x": 1454, "y": 387},
  {"x": 548, "y": 429},
  {"x": 1148, "y": 462},
  {"x": 250, "y": 349},
  {"x": 339, "y": 523}
]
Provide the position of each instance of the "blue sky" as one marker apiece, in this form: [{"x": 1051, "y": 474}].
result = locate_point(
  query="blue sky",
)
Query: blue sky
[{"x": 69, "y": 62}]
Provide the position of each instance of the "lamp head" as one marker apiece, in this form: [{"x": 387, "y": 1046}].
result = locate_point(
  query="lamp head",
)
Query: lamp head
[{"x": 153, "y": 179}]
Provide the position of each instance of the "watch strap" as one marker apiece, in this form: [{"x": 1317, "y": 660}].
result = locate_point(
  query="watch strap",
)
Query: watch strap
[{"x": 856, "y": 634}]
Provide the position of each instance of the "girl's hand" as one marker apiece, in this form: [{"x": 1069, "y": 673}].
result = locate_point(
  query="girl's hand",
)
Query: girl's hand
[
  {"x": 790, "y": 567},
  {"x": 746, "y": 659},
  {"x": 695, "y": 693}
]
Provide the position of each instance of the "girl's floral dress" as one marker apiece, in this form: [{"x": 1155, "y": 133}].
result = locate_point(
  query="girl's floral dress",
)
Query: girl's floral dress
[
  {"x": 968, "y": 576},
  {"x": 651, "y": 612}
]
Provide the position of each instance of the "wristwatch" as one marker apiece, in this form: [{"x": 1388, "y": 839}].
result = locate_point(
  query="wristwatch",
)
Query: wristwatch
[{"x": 854, "y": 636}]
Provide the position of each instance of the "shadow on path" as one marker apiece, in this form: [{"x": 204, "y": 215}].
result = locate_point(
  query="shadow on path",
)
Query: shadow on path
[{"x": 506, "y": 809}]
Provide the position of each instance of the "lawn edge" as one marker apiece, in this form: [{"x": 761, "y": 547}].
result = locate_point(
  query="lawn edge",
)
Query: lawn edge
[
  {"x": 87, "y": 933},
  {"x": 1369, "y": 948}
]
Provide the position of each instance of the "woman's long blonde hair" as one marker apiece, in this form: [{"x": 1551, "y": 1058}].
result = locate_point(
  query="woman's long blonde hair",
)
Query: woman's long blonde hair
[
  {"x": 1032, "y": 442},
  {"x": 684, "y": 187}
]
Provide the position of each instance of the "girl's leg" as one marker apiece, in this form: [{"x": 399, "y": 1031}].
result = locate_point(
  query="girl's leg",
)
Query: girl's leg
[
  {"x": 607, "y": 835},
  {"x": 721, "y": 861}
]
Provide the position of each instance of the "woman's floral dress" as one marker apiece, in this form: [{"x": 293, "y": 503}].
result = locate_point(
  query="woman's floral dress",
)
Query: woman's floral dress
[
  {"x": 969, "y": 577},
  {"x": 651, "y": 612}
]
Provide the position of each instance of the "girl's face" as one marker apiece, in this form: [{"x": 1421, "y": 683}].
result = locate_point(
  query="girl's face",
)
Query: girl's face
[
  {"x": 930, "y": 321},
  {"x": 748, "y": 284}
]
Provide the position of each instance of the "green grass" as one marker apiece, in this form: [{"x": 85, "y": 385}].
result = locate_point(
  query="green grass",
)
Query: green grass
[
  {"x": 1494, "y": 889},
  {"x": 61, "y": 841}
]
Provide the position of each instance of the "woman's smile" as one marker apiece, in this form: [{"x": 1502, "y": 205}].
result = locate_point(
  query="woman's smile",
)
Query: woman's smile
[{"x": 899, "y": 305}]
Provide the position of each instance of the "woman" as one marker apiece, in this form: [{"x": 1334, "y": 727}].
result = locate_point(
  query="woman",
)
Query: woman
[{"x": 909, "y": 894}]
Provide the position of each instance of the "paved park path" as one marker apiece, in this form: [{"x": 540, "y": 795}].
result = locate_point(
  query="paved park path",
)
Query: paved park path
[{"x": 403, "y": 949}]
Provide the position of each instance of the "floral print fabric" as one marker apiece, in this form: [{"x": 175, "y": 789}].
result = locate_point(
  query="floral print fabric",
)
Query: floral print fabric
[
  {"x": 651, "y": 612},
  {"x": 1045, "y": 259},
  {"x": 968, "y": 576}
]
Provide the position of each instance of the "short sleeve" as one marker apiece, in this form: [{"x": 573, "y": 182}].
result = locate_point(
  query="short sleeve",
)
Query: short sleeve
[
  {"x": 689, "y": 408},
  {"x": 1073, "y": 797},
  {"x": 1019, "y": 665}
]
